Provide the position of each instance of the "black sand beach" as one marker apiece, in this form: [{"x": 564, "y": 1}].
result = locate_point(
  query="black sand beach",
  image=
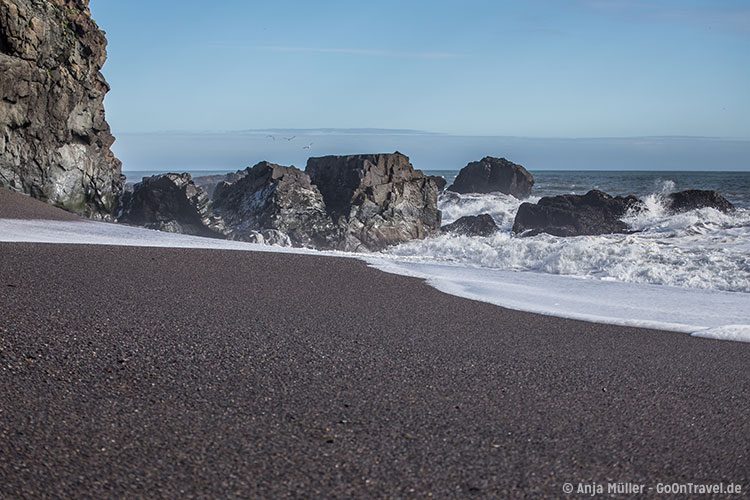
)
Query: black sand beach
[
  {"x": 182, "y": 373},
  {"x": 20, "y": 206}
]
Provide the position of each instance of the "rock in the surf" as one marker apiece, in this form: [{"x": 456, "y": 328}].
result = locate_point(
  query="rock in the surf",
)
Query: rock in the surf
[
  {"x": 693, "y": 199},
  {"x": 490, "y": 175},
  {"x": 377, "y": 199},
  {"x": 440, "y": 182},
  {"x": 173, "y": 203},
  {"x": 269, "y": 196},
  {"x": 574, "y": 215},
  {"x": 472, "y": 225}
]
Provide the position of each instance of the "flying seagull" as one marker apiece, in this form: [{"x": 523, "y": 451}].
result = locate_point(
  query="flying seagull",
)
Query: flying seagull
[
  {"x": 308, "y": 146},
  {"x": 290, "y": 138}
]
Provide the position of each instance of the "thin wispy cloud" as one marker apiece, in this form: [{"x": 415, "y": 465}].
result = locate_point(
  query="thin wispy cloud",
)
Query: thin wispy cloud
[
  {"x": 348, "y": 51},
  {"x": 539, "y": 30},
  {"x": 711, "y": 16}
]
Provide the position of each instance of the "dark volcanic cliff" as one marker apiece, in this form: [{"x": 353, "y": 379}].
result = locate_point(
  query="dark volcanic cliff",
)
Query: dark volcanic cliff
[{"x": 54, "y": 140}]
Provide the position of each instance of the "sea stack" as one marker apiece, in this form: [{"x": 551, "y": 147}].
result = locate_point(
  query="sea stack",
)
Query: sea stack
[
  {"x": 54, "y": 140},
  {"x": 494, "y": 175},
  {"x": 378, "y": 199}
]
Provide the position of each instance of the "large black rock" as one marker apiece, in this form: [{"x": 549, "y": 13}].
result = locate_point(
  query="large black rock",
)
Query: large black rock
[
  {"x": 573, "y": 215},
  {"x": 377, "y": 200},
  {"x": 472, "y": 225},
  {"x": 693, "y": 199},
  {"x": 491, "y": 175},
  {"x": 172, "y": 203},
  {"x": 269, "y": 196}
]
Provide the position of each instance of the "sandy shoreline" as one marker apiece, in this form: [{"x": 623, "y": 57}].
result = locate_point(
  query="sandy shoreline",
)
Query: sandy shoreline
[
  {"x": 708, "y": 313},
  {"x": 173, "y": 372},
  {"x": 154, "y": 371}
]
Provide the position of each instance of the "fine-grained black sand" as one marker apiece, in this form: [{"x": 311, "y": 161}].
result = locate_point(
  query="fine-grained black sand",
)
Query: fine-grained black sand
[
  {"x": 20, "y": 206},
  {"x": 173, "y": 372}
]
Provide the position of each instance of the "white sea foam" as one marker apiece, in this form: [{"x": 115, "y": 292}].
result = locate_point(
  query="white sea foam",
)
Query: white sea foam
[
  {"x": 501, "y": 207},
  {"x": 738, "y": 333},
  {"x": 698, "y": 249},
  {"x": 704, "y": 313},
  {"x": 707, "y": 313},
  {"x": 100, "y": 233}
]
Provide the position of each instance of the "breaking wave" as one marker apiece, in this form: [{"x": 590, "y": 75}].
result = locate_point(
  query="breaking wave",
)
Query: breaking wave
[{"x": 703, "y": 248}]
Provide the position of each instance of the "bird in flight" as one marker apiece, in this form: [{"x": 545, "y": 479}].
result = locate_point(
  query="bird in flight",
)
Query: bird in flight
[
  {"x": 290, "y": 138},
  {"x": 307, "y": 146}
]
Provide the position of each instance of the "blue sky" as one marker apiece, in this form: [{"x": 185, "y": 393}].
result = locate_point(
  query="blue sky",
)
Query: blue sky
[{"x": 562, "y": 68}]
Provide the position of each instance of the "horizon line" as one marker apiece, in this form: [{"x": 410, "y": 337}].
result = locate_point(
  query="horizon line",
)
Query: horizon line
[{"x": 416, "y": 132}]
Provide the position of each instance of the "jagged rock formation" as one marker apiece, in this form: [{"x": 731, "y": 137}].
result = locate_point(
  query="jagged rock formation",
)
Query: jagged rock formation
[
  {"x": 440, "y": 182},
  {"x": 491, "y": 175},
  {"x": 173, "y": 203},
  {"x": 472, "y": 225},
  {"x": 272, "y": 237},
  {"x": 594, "y": 213},
  {"x": 353, "y": 203},
  {"x": 599, "y": 213},
  {"x": 692, "y": 199},
  {"x": 270, "y": 196},
  {"x": 54, "y": 140},
  {"x": 378, "y": 200},
  {"x": 210, "y": 182}
]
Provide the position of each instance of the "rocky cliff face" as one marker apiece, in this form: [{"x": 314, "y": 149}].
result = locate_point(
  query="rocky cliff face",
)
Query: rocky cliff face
[{"x": 54, "y": 140}]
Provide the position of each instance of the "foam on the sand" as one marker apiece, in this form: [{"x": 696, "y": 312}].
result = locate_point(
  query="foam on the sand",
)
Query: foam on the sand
[
  {"x": 740, "y": 333},
  {"x": 704, "y": 313},
  {"x": 100, "y": 233}
]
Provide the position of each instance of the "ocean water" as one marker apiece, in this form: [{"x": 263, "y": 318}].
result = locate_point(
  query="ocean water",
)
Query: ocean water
[
  {"x": 702, "y": 249},
  {"x": 735, "y": 186}
]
